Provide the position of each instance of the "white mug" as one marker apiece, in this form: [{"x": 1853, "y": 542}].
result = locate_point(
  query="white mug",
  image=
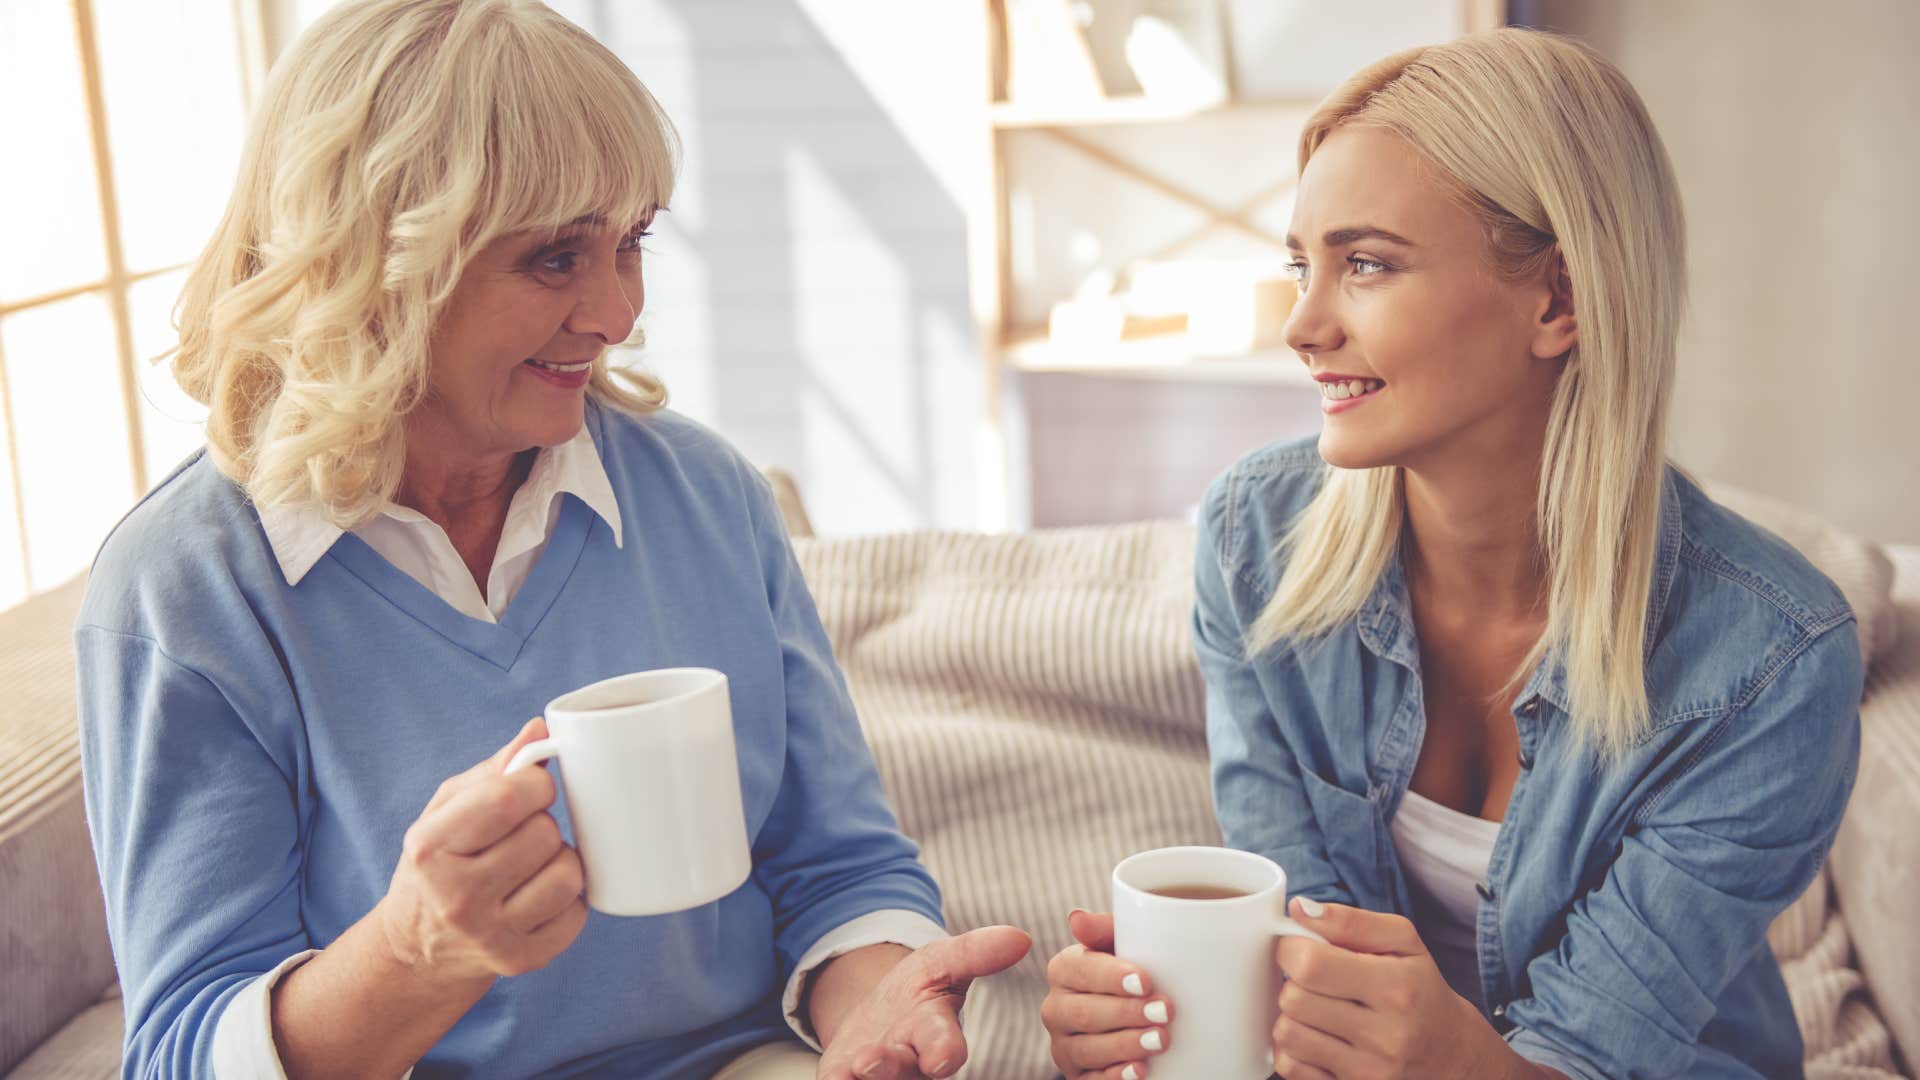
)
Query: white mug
[
  {"x": 652, "y": 785},
  {"x": 1213, "y": 959}
]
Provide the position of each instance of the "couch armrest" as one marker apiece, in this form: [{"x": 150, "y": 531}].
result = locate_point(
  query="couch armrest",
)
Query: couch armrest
[
  {"x": 54, "y": 956},
  {"x": 1876, "y": 857}
]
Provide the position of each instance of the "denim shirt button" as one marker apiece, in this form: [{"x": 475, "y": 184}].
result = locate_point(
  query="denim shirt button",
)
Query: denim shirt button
[
  {"x": 1485, "y": 890},
  {"x": 1526, "y": 759},
  {"x": 1500, "y": 1011}
]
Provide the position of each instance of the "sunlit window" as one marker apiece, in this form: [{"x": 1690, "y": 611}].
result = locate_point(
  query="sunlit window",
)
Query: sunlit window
[{"x": 122, "y": 124}]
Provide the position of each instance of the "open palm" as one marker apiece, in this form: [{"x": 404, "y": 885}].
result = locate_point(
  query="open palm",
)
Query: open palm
[{"x": 908, "y": 1026}]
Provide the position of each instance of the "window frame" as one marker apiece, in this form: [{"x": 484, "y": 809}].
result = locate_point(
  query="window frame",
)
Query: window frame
[{"x": 258, "y": 25}]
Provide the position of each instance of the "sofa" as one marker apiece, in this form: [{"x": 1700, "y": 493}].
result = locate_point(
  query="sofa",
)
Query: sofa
[{"x": 1036, "y": 714}]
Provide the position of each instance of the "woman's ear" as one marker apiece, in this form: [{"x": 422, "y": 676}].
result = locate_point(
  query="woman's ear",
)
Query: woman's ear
[{"x": 1556, "y": 330}]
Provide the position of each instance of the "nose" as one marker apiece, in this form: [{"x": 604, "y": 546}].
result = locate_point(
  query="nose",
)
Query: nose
[
  {"x": 1313, "y": 326},
  {"x": 608, "y": 304}
]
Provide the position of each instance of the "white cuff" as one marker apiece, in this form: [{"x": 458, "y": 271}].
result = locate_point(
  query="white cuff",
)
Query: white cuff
[
  {"x": 890, "y": 927},
  {"x": 243, "y": 1038}
]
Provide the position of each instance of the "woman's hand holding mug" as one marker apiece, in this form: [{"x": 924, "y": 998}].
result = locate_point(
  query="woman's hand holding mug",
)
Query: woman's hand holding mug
[
  {"x": 1203, "y": 920},
  {"x": 1370, "y": 1001},
  {"x": 1101, "y": 1014},
  {"x": 485, "y": 886}
]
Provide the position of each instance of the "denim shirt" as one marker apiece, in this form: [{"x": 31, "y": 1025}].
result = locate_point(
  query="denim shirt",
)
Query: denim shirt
[{"x": 1622, "y": 924}]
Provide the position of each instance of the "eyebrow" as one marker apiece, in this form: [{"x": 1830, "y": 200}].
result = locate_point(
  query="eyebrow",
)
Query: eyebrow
[
  {"x": 1353, "y": 235},
  {"x": 599, "y": 220},
  {"x": 562, "y": 234}
]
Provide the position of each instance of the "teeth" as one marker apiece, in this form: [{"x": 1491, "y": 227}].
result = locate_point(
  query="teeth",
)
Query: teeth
[
  {"x": 1351, "y": 388},
  {"x": 564, "y": 369}
]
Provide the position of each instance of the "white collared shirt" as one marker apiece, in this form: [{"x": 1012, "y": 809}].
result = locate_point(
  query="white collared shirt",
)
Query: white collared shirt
[{"x": 417, "y": 546}]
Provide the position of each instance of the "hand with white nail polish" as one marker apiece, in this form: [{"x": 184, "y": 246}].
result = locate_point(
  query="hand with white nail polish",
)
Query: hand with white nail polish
[
  {"x": 1370, "y": 1001},
  {"x": 1104, "y": 1021}
]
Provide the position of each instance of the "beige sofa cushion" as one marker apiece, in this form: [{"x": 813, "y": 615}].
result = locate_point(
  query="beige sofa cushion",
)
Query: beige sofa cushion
[
  {"x": 88, "y": 1048},
  {"x": 1037, "y": 714},
  {"x": 1035, "y": 709},
  {"x": 1876, "y": 857},
  {"x": 54, "y": 957}
]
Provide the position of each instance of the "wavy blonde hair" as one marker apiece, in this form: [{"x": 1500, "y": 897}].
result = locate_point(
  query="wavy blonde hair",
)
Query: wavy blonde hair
[
  {"x": 395, "y": 139},
  {"x": 1551, "y": 148}
]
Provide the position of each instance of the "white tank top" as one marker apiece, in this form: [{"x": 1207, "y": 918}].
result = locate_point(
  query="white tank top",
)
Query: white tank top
[{"x": 1445, "y": 855}]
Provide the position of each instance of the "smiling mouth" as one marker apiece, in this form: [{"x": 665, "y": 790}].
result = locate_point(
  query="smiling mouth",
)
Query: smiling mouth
[
  {"x": 1341, "y": 390},
  {"x": 560, "y": 369}
]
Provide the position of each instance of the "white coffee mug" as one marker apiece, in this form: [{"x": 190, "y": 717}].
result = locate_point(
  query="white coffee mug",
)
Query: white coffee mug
[
  {"x": 1213, "y": 959},
  {"x": 652, "y": 786}
]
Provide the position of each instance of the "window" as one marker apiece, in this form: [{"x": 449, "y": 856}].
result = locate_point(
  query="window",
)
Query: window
[{"x": 122, "y": 131}]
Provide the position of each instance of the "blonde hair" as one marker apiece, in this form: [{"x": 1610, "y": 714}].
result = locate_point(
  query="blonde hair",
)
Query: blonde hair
[
  {"x": 1551, "y": 148},
  {"x": 396, "y": 138}
]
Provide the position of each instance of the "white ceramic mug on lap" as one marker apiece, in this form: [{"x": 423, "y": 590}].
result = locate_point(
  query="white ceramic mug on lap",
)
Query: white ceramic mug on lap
[
  {"x": 652, "y": 785},
  {"x": 1213, "y": 958}
]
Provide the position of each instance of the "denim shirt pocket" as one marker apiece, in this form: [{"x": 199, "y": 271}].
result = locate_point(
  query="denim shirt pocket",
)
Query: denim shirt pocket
[{"x": 1351, "y": 825}]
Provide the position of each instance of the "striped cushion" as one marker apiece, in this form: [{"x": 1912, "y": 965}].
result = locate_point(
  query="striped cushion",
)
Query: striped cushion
[
  {"x": 54, "y": 959},
  {"x": 1876, "y": 861},
  {"x": 1037, "y": 715}
]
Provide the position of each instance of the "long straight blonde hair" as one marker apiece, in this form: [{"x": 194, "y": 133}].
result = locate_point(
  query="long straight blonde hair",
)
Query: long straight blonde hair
[
  {"x": 1551, "y": 148},
  {"x": 395, "y": 139}
]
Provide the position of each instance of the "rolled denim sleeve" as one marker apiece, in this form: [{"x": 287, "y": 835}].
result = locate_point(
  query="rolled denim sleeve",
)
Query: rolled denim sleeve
[
  {"x": 1707, "y": 863},
  {"x": 1257, "y": 791}
]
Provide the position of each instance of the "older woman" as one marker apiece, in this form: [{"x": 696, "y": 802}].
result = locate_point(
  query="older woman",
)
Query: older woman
[
  {"x": 426, "y": 507},
  {"x": 1543, "y": 738}
]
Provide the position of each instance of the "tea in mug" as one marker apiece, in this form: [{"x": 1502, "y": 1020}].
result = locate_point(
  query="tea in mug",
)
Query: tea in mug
[{"x": 1197, "y": 892}]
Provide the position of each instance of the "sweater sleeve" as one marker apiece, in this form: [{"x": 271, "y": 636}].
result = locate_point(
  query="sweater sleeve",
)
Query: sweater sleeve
[
  {"x": 831, "y": 849},
  {"x": 196, "y": 833}
]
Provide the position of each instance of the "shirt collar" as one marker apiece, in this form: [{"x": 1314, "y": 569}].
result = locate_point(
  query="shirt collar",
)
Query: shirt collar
[
  {"x": 300, "y": 535},
  {"x": 1386, "y": 620}
]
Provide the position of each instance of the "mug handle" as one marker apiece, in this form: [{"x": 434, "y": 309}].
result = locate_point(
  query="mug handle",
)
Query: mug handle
[
  {"x": 538, "y": 751},
  {"x": 1285, "y": 927}
]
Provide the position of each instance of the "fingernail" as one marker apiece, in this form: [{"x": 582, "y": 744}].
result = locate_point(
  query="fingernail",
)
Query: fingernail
[
  {"x": 1129, "y": 1073},
  {"x": 1311, "y": 908},
  {"x": 1156, "y": 1012},
  {"x": 1076, "y": 911},
  {"x": 1151, "y": 1040},
  {"x": 1132, "y": 984}
]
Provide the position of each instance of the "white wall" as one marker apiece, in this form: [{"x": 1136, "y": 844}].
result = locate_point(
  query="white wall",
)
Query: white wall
[
  {"x": 808, "y": 290},
  {"x": 1795, "y": 130}
]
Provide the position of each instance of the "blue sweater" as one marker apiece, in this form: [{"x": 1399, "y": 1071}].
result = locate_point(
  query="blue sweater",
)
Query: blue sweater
[{"x": 253, "y": 753}]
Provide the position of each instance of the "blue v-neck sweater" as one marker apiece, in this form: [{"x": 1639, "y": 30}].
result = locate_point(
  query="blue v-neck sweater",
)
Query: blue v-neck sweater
[{"x": 254, "y": 752}]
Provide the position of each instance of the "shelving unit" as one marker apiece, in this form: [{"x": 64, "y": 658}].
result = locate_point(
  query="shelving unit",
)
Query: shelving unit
[
  {"x": 1165, "y": 357},
  {"x": 1089, "y": 130}
]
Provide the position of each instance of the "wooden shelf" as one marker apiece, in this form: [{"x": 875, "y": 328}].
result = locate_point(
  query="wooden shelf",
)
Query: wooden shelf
[
  {"x": 1166, "y": 357},
  {"x": 1133, "y": 109}
]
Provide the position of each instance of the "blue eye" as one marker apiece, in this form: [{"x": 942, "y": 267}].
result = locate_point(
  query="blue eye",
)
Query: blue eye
[
  {"x": 1297, "y": 270},
  {"x": 1360, "y": 263},
  {"x": 630, "y": 245},
  {"x": 564, "y": 258}
]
